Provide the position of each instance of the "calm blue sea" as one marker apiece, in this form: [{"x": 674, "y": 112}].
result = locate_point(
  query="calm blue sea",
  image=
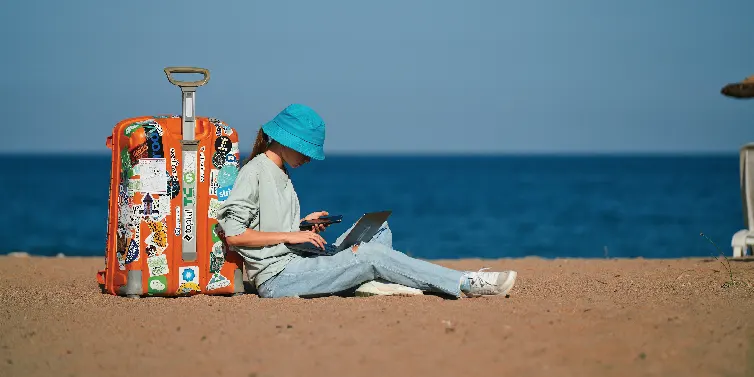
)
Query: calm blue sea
[{"x": 443, "y": 207}]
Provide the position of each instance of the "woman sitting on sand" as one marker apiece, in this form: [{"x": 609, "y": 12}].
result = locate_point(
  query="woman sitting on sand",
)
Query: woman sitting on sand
[{"x": 261, "y": 216}]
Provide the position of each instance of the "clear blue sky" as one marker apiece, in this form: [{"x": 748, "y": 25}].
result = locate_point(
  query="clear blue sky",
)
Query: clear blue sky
[{"x": 549, "y": 76}]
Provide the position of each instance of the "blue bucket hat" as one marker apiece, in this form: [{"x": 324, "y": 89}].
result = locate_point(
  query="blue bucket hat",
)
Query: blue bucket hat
[{"x": 300, "y": 128}]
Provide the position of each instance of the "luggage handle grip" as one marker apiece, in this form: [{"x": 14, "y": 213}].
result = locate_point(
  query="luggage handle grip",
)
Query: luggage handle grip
[{"x": 203, "y": 71}]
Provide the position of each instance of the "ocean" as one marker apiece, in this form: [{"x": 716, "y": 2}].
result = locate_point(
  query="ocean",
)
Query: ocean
[{"x": 443, "y": 207}]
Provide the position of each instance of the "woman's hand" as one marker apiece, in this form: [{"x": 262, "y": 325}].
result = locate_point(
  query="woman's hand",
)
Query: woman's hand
[
  {"x": 315, "y": 215},
  {"x": 305, "y": 236}
]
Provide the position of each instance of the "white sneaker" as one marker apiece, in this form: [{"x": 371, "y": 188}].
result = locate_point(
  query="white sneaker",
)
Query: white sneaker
[
  {"x": 383, "y": 288},
  {"x": 490, "y": 283}
]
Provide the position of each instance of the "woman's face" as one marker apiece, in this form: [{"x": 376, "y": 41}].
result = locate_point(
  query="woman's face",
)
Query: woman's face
[{"x": 294, "y": 158}]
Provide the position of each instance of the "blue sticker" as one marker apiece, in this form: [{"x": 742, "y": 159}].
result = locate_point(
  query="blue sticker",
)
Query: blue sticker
[
  {"x": 231, "y": 159},
  {"x": 174, "y": 187},
  {"x": 227, "y": 175},
  {"x": 133, "y": 252},
  {"x": 224, "y": 192},
  {"x": 188, "y": 274}
]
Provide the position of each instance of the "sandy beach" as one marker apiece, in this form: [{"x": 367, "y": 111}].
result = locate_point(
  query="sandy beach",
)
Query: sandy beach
[{"x": 565, "y": 317}]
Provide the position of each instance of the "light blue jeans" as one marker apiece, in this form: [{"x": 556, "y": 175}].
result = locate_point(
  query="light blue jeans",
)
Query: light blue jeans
[{"x": 346, "y": 270}]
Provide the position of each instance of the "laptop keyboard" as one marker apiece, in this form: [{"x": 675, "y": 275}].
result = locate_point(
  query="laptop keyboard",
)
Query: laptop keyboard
[{"x": 329, "y": 248}]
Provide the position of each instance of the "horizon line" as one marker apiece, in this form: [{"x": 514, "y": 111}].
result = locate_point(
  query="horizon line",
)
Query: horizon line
[{"x": 438, "y": 154}]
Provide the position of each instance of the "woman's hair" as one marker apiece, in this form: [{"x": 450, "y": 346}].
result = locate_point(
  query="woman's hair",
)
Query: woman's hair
[{"x": 261, "y": 144}]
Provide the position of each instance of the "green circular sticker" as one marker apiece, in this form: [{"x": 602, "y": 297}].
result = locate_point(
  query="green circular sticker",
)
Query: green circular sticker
[{"x": 189, "y": 177}]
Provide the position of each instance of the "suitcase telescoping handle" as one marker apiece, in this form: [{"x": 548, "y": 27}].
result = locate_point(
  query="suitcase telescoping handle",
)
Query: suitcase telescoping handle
[
  {"x": 189, "y": 147},
  {"x": 203, "y": 71},
  {"x": 188, "y": 90}
]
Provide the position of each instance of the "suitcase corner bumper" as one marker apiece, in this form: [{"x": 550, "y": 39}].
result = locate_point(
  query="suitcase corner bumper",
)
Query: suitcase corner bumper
[{"x": 133, "y": 286}]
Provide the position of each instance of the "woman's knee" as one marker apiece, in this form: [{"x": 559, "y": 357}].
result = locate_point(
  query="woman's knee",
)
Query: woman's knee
[
  {"x": 374, "y": 253},
  {"x": 384, "y": 235}
]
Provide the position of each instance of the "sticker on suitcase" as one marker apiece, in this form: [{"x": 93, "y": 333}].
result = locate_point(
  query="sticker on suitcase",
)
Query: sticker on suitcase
[
  {"x": 174, "y": 187},
  {"x": 201, "y": 164},
  {"x": 174, "y": 163},
  {"x": 214, "y": 206},
  {"x": 221, "y": 127},
  {"x": 217, "y": 281},
  {"x": 133, "y": 251},
  {"x": 134, "y": 246},
  {"x": 189, "y": 169},
  {"x": 232, "y": 160},
  {"x": 227, "y": 175},
  {"x": 157, "y": 284},
  {"x": 222, "y": 181},
  {"x": 213, "y": 185},
  {"x": 155, "y": 207},
  {"x": 188, "y": 224},
  {"x": 158, "y": 236},
  {"x": 177, "y": 229},
  {"x": 134, "y": 186},
  {"x": 139, "y": 152},
  {"x": 217, "y": 257},
  {"x": 158, "y": 265},
  {"x": 153, "y": 175},
  {"x": 188, "y": 280},
  {"x": 130, "y": 129}
]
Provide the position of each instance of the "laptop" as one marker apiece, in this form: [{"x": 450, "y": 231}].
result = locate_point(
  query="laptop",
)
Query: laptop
[{"x": 364, "y": 230}]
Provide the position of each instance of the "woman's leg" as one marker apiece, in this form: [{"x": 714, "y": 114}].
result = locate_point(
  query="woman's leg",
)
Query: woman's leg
[
  {"x": 348, "y": 269},
  {"x": 375, "y": 260},
  {"x": 381, "y": 287}
]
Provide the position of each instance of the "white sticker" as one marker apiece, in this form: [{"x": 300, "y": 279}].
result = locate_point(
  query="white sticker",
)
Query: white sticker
[
  {"x": 177, "y": 220},
  {"x": 213, "y": 186},
  {"x": 188, "y": 275},
  {"x": 158, "y": 265},
  {"x": 134, "y": 186},
  {"x": 234, "y": 148},
  {"x": 137, "y": 212},
  {"x": 217, "y": 281},
  {"x": 163, "y": 205},
  {"x": 173, "y": 163},
  {"x": 214, "y": 206},
  {"x": 189, "y": 167},
  {"x": 189, "y": 161},
  {"x": 188, "y": 279},
  {"x": 125, "y": 219},
  {"x": 153, "y": 175},
  {"x": 201, "y": 166},
  {"x": 188, "y": 224}
]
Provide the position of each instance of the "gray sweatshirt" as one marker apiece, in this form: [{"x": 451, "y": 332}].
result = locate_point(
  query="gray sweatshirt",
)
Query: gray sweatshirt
[{"x": 262, "y": 199}]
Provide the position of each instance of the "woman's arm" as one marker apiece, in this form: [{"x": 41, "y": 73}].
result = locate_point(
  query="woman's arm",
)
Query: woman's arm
[
  {"x": 255, "y": 238},
  {"x": 239, "y": 214}
]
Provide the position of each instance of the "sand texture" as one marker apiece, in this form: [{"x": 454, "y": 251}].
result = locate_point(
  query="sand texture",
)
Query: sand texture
[{"x": 565, "y": 317}]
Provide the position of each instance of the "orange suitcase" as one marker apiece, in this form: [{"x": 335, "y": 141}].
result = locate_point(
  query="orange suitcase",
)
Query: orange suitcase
[{"x": 169, "y": 175}]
